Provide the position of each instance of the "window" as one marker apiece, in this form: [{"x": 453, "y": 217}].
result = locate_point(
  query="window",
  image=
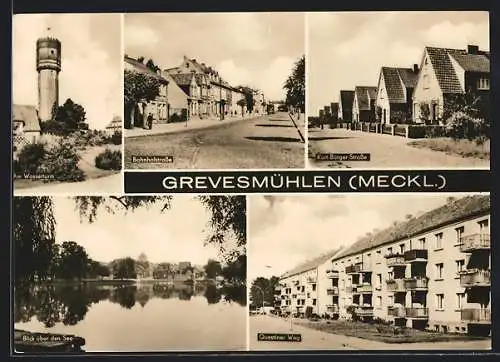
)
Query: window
[
  {"x": 460, "y": 232},
  {"x": 401, "y": 248},
  {"x": 379, "y": 301},
  {"x": 314, "y": 287},
  {"x": 460, "y": 265},
  {"x": 308, "y": 295},
  {"x": 390, "y": 275},
  {"x": 379, "y": 281},
  {"x": 314, "y": 301},
  {"x": 460, "y": 300},
  {"x": 421, "y": 243},
  {"x": 439, "y": 270},
  {"x": 483, "y": 84},
  {"x": 303, "y": 289},
  {"x": 483, "y": 226},
  {"x": 440, "y": 301},
  {"x": 425, "y": 79},
  {"x": 389, "y": 251},
  {"x": 439, "y": 240}
]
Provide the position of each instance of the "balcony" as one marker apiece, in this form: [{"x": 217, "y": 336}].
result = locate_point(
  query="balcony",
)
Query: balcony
[
  {"x": 417, "y": 313},
  {"x": 353, "y": 269},
  {"x": 396, "y": 311},
  {"x": 395, "y": 260},
  {"x": 416, "y": 255},
  {"x": 476, "y": 315},
  {"x": 475, "y": 278},
  {"x": 473, "y": 242},
  {"x": 364, "y": 289},
  {"x": 364, "y": 311},
  {"x": 333, "y": 274},
  {"x": 332, "y": 308},
  {"x": 332, "y": 291},
  {"x": 416, "y": 283},
  {"x": 396, "y": 285}
]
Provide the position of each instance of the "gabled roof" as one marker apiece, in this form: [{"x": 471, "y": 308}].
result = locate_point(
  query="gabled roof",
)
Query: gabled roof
[
  {"x": 395, "y": 79},
  {"x": 28, "y": 115},
  {"x": 443, "y": 68},
  {"x": 363, "y": 95},
  {"x": 182, "y": 78},
  {"x": 454, "y": 211},
  {"x": 346, "y": 99},
  {"x": 311, "y": 264},
  {"x": 141, "y": 68}
]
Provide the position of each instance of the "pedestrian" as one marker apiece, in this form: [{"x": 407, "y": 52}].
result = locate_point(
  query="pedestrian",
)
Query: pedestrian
[{"x": 150, "y": 121}]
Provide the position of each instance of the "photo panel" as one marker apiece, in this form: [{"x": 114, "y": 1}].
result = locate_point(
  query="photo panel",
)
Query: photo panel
[
  {"x": 399, "y": 89},
  {"x": 370, "y": 272},
  {"x": 128, "y": 274},
  {"x": 200, "y": 96},
  {"x": 67, "y": 104}
]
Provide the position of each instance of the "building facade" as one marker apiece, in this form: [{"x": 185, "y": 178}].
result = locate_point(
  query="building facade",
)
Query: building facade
[
  {"x": 446, "y": 73},
  {"x": 363, "y": 106},
  {"x": 394, "y": 102},
  {"x": 430, "y": 272},
  {"x": 346, "y": 99}
]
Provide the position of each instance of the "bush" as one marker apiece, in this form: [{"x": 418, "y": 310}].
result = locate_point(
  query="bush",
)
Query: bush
[
  {"x": 425, "y": 131},
  {"x": 109, "y": 160},
  {"x": 62, "y": 163},
  {"x": 461, "y": 125},
  {"x": 31, "y": 157},
  {"x": 116, "y": 138}
]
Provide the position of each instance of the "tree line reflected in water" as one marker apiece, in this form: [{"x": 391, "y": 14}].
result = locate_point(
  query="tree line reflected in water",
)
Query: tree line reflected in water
[{"x": 68, "y": 304}]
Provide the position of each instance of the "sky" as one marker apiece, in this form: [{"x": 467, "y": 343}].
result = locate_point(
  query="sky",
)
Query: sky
[
  {"x": 284, "y": 231},
  {"x": 255, "y": 49},
  {"x": 176, "y": 235},
  {"x": 91, "y": 61},
  {"x": 348, "y": 49}
]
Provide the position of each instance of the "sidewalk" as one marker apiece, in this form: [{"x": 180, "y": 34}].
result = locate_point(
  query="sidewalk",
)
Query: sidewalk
[{"x": 184, "y": 126}]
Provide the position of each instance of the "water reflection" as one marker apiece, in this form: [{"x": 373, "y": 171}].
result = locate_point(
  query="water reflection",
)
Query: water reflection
[{"x": 69, "y": 303}]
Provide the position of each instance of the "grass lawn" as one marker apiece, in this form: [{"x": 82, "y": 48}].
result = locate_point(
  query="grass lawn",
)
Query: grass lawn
[
  {"x": 464, "y": 148},
  {"x": 369, "y": 331}
]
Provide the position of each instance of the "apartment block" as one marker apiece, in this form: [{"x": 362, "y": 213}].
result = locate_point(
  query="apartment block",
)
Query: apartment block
[{"x": 428, "y": 272}]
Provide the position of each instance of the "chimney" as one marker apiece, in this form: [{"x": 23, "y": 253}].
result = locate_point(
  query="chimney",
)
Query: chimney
[
  {"x": 415, "y": 68},
  {"x": 472, "y": 49}
]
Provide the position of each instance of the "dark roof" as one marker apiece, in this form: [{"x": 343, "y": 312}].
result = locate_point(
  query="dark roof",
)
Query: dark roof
[
  {"x": 364, "y": 94},
  {"x": 28, "y": 115},
  {"x": 182, "y": 78},
  {"x": 140, "y": 67},
  {"x": 346, "y": 99},
  {"x": 395, "y": 79},
  {"x": 334, "y": 107},
  {"x": 311, "y": 264},
  {"x": 443, "y": 67},
  {"x": 453, "y": 211}
]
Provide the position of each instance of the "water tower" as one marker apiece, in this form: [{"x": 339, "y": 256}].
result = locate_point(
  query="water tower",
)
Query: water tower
[{"x": 48, "y": 65}]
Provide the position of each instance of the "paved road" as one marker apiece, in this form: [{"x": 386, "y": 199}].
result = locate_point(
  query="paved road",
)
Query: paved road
[
  {"x": 385, "y": 150},
  {"x": 106, "y": 184},
  {"x": 263, "y": 142},
  {"x": 318, "y": 340}
]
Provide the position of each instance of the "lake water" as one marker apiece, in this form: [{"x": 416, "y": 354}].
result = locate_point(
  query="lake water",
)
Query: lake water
[{"x": 137, "y": 318}]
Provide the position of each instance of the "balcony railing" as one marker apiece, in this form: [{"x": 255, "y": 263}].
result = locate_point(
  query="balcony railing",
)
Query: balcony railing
[
  {"x": 364, "y": 311},
  {"x": 396, "y": 311},
  {"x": 417, "y": 283},
  {"x": 469, "y": 243},
  {"x": 415, "y": 255},
  {"x": 332, "y": 291},
  {"x": 396, "y": 285},
  {"x": 476, "y": 315},
  {"x": 332, "y": 308},
  {"x": 330, "y": 273},
  {"x": 395, "y": 260},
  {"x": 364, "y": 288},
  {"x": 475, "y": 278},
  {"x": 352, "y": 269},
  {"x": 417, "y": 313}
]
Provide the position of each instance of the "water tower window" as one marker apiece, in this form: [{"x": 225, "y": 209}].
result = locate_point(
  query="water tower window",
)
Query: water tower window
[{"x": 52, "y": 52}]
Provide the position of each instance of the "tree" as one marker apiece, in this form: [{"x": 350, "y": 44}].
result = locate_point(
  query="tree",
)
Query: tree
[
  {"x": 74, "y": 260},
  {"x": 66, "y": 119},
  {"x": 33, "y": 235},
  {"x": 151, "y": 65},
  {"x": 236, "y": 271},
  {"x": 138, "y": 87},
  {"x": 212, "y": 269},
  {"x": 263, "y": 288},
  {"x": 295, "y": 85},
  {"x": 124, "y": 269}
]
